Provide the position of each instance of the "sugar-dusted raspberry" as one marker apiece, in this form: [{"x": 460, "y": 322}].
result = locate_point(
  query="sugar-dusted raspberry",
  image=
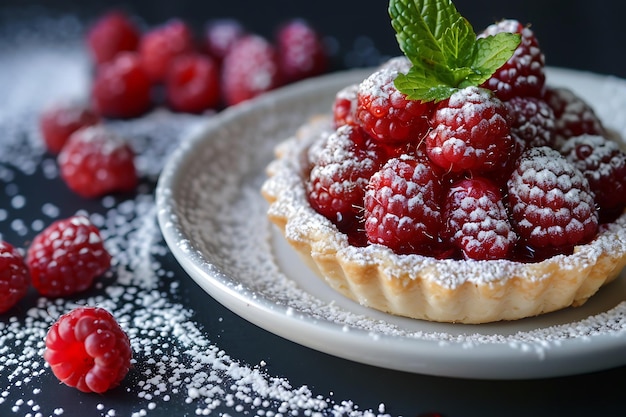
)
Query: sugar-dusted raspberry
[
  {"x": 603, "y": 163},
  {"x": 337, "y": 182},
  {"x": 112, "y": 33},
  {"x": 471, "y": 132},
  {"x": 344, "y": 106},
  {"x": 301, "y": 51},
  {"x": 87, "y": 349},
  {"x": 532, "y": 121},
  {"x": 573, "y": 115},
  {"x": 397, "y": 63},
  {"x": 249, "y": 69},
  {"x": 14, "y": 276},
  {"x": 121, "y": 88},
  {"x": 476, "y": 220},
  {"x": 67, "y": 256},
  {"x": 59, "y": 121},
  {"x": 523, "y": 74},
  {"x": 193, "y": 83},
  {"x": 386, "y": 113},
  {"x": 96, "y": 161},
  {"x": 159, "y": 46},
  {"x": 220, "y": 35},
  {"x": 550, "y": 201},
  {"x": 403, "y": 205}
]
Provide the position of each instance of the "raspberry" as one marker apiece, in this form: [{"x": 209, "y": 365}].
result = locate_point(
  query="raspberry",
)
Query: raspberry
[
  {"x": 193, "y": 84},
  {"x": 550, "y": 201},
  {"x": 87, "y": 349},
  {"x": 523, "y": 74},
  {"x": 344, "y": 106},
  {"x": 338, "y": 179},
  {"x": 220, "y": 35},
  {"x": 58, "y": 122},
  {"x": 249, "y": 69},
  {"x": 532, "y": 121},
  {"x": 66, "y": 257},
  {"x": 301, "y": 52},
  {"x": 95, "y": 161},
  {"x": 14, "y": 277},
  {"x": 121, "y": 87},
  {"x": 477, "y": 221},
  {"x": 159, "y": 46},
  {"x": 471, "y": 132},
  {"x": 403, "y": 205},
  {"x": 603, "y": 163},
  {"x": 386, "y": 113},
  {"x": 111, "y": 34},
  {"x": 573, "y": 115}
]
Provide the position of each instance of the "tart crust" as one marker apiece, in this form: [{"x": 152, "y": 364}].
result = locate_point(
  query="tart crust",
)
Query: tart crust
[{"x": 421, "y": 287}]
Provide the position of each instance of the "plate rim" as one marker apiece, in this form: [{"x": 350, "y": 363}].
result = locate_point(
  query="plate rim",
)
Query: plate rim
[{"x": 453, "y": 360}]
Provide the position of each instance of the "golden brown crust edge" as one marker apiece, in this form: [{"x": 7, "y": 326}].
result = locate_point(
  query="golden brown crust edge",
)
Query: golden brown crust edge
[{"x": 425, "y": 288}]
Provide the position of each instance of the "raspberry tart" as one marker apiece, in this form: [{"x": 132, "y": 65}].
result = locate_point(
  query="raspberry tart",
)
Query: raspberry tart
[{"x": 455, "y": 183}]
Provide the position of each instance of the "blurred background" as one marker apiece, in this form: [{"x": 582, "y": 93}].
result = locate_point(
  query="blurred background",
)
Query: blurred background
[{"x": 576, "y": 34}]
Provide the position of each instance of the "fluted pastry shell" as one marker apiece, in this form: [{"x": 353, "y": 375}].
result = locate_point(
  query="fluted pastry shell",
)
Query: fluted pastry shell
[{"x": 421, "y": 287}]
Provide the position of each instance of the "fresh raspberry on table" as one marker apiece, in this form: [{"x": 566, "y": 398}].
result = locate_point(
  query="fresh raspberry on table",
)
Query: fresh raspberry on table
[
  {"x": 337, "y": 182},
  {"x": 87, "y": 349},
  {"x": 403, "y": 205},
  {"x": 573, "y": 115},
  {"x": 476, "y": 220},
  {"x": 550, "y": 201},
  {"x": 59, "y": 121},
  {"x": 159, "y": 46},
  {"x": 193, "y": 84},
  {"x": 112, "y": 33},
  {"x": 603, "y": 163},
  {"x": 14, "y": 276},
  {"x": 96, "y": 161},
  {"x": 532, "y": 121},
  {"x": 344, "y": 106},
  {"x": 471, "y": 132},
  {"x": 220, "y": 35},
  {"x": 249, "y": 69},
  {"x": 524, "y": 73},
  {"x": 301, "y": 51},
  {"x": 121, "y": 88},
  {"x": 387, "y": 114},
  {"x": 66, "y": 257}
]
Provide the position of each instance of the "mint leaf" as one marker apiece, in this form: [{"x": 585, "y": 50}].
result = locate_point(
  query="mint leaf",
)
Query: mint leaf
[{"x": 443, "y": 48}]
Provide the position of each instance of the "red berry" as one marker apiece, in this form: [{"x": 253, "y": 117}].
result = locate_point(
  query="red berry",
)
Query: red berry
[
  {"x": 111, "y": 34},
  {"x": 338, "y": 179},
  {"x": 387, "y": 114},
  {"x": 159, "y": 46},
  {"x": 477, "y": 221},
  {"x": 121, "y": 87},
  {"x": 87, "y": 349},
  {"x": 301, "y": 52},
  {"x": 550, "y": 201},
  {"x": 66, "y": 257},
  {"x": 221, "y": 35},
  {"x": 14, "y": 277},
  {"x": 471, "y": 132},
  {"x": 58, "y": 122},
  {"x": 193, "y": 84},
  {"x": 249, "y": 69},
  {"x": 523, "y": 74},
  {"x": 344, "y": 106},
  {"x": 532, "y": 121},
  {"x": 603, "y": 163},
  {"x": 95, "y": 161},
  {"x": 403, "y": 205},
  {"x": 573, "y": 115}
]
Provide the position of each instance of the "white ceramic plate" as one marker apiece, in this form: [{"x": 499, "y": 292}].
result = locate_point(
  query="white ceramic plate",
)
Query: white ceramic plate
[{"x": 213, "y": 218}]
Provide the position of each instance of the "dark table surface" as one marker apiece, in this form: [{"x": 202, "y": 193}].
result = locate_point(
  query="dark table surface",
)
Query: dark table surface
[{"x": 193, "y": 356}]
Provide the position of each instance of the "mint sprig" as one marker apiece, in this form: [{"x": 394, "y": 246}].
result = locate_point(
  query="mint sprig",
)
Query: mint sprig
[{"x": 444, "y": 50}]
